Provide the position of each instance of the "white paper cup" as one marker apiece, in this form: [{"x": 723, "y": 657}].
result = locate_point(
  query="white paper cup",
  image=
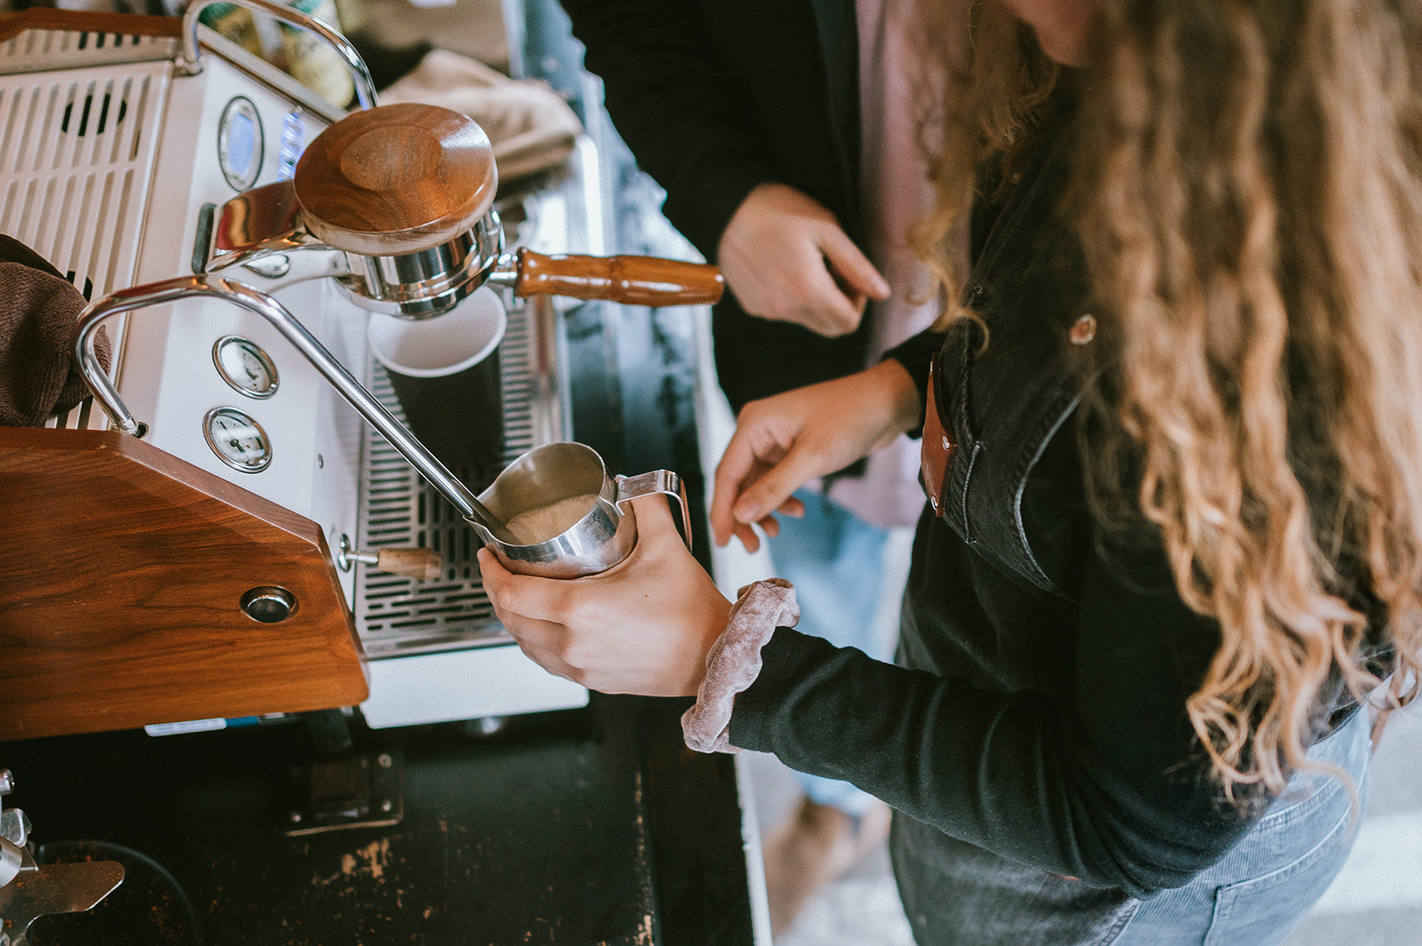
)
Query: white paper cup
[{"x": 445, "y": 372}]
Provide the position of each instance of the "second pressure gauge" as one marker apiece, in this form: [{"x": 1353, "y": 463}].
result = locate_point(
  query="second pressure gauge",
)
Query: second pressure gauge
[{"x": 238, "y": 440}]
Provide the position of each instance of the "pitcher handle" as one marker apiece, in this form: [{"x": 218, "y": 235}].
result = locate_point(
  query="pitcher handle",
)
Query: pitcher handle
[{"x": 657, "y": 481}]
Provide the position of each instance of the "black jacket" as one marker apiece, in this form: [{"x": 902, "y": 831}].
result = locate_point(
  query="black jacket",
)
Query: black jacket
[
  {"x": 717, "y": 96},
  {"x": 1040, "y": 712}
]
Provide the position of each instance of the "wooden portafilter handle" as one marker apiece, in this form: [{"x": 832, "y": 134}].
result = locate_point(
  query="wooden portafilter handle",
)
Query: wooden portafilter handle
[
  {"x": 633, "y": 280},
  {"x": 419, "y": 564}
]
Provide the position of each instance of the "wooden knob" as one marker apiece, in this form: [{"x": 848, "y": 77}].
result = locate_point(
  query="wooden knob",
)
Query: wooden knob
[
  {"x": 416, "y": 563},
  {"x": 396, "y": 179},
  {"x": 634, "y": 280}
]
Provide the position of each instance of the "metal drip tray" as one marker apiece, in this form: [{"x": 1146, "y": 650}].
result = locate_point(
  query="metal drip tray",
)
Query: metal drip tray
[{"x": 399, "y": 616}]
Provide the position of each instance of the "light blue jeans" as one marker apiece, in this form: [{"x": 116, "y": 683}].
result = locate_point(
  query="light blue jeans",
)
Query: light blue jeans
[
  {"x": 1259, "y": 892},
  {"x": 957, "y": 894},
  {"x": 835, "y": 560}
]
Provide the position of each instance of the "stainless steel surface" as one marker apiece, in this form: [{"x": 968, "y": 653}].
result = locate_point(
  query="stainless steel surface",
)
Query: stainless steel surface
[
  {"x": 347, "y": 556},
  {"x": 505, "y": 271},
  {"x": 268, "y": 221},
  {"x": 269, "y": 604},
  {"x": 14, "y": 826},
  {"x": 561, "y": 472},
  {"x": 56, "y": 888},
  {"x": 189, "y": 60},
  {"x": 13, "y": 832},
  {"x": 12, "y": 858},
  {"x": 259, "y": 303},
  {"x": 272, "y": 267},
  {"x": 396, "y": 615},
  {"x": 430, "y": 282},
  {"x": 658, "y": 481},
  {"x": 260, "y": 223}
]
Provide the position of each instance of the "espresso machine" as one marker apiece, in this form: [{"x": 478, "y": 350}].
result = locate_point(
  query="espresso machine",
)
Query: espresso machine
[
  {"x": 222, "y": 550},
  {"x": 260, "y": 543}
]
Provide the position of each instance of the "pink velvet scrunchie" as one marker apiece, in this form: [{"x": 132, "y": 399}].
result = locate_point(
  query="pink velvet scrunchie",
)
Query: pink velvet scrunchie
[{"x": 733, "y": 662}]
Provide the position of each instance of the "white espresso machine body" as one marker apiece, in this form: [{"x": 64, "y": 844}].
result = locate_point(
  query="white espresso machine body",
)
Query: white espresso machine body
[{"x": 112, "y": 170}]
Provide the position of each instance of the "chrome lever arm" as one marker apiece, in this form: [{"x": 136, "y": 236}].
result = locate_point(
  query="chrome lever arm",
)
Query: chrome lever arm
[{"x": 190, "y": 58}]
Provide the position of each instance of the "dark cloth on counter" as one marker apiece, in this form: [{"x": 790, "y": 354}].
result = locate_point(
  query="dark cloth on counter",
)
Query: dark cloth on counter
[
  {"x": 1039, "y": 712},
  {"x": 715, "y": 97},
  {"x": 38, "y": 375}
]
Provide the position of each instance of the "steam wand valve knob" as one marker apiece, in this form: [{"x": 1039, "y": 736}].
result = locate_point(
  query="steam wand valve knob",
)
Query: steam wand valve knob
[{"x": 418, "y": 563}]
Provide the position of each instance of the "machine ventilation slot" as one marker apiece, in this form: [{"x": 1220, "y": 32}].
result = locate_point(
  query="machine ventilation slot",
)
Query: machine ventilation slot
[
  {"x": 77, "y": 157},
  {"x": 39, "y": 50},
  {"x": 399, "y": 616}
]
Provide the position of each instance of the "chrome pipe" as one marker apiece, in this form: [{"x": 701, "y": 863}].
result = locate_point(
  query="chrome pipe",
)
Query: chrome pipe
[
  {"x": 215, "y": 287},
  {"x": 190, "y": 57}
]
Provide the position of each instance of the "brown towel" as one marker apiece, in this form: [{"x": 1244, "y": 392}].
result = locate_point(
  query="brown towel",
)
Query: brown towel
[
  {"x": 529, "y": 125},
  {"x": 38, "y": 308}
]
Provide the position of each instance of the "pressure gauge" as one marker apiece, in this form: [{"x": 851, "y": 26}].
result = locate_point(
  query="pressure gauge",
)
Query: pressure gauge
[
  {"x": 244, "y": 366},
  {"x": 240, "y": 143},
  {"x": 238, "y": 440}
]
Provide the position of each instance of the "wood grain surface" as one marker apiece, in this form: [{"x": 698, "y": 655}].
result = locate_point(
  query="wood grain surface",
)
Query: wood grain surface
[
  {"x": 119, "y": 601},
  {"x": 84, "y": 21},
  {"x": 396, "y": 179},
  {"x": 633, "y": 280}
]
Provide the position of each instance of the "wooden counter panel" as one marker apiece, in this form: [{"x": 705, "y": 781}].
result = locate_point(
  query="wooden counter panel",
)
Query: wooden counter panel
[{"x": 120, "y": 601}]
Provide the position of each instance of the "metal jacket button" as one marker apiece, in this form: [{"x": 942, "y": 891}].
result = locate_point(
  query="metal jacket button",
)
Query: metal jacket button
[{"x": 1083, "y": 330}]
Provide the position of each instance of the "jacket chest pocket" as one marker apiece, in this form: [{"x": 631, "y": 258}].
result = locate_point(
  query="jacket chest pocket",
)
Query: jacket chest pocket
[
  {"x": 989, "y": 418},
  {"x": 950, "y": 446}
]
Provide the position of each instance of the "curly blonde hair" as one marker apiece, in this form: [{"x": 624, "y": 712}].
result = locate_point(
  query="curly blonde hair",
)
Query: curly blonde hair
[{"x": 1247, "y": 190}]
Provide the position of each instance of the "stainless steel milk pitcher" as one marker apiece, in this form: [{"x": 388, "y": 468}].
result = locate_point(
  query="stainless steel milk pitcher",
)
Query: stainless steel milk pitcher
[{"x": 568, "y": 516}]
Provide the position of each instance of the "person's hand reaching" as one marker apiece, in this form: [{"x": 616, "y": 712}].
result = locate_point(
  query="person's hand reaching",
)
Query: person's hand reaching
[
  {"x": 786, "y": 258},
  {"x": 783, "y": 442}
]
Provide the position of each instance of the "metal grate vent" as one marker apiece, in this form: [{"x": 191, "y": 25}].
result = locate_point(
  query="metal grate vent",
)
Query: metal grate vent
[
  {"x": 40, "y": 50},
  {"x": 398, "y": 616},
  {"x": 76, "y": 162}
]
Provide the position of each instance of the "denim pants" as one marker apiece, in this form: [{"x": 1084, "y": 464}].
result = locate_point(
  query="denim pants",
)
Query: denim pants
[
  {"x": 1263, "y": 887},
  {"x": 956, "y": 894},
  {"x": 835, "y": 560}
]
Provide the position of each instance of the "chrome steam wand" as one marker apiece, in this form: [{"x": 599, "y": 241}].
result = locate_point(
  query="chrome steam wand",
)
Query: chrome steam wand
[{"x": 215, "y": 287}]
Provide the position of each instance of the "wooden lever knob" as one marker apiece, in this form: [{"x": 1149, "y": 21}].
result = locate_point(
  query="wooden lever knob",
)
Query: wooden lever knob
[
  {"x": 396, "y": 179},
  {"x": 419, "y": 564},
  {"x": 635, "y": 280}
]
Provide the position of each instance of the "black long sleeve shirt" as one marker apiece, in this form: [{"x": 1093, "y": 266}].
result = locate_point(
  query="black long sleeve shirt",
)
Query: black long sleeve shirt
[{"x": 1055, "y": 739}]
